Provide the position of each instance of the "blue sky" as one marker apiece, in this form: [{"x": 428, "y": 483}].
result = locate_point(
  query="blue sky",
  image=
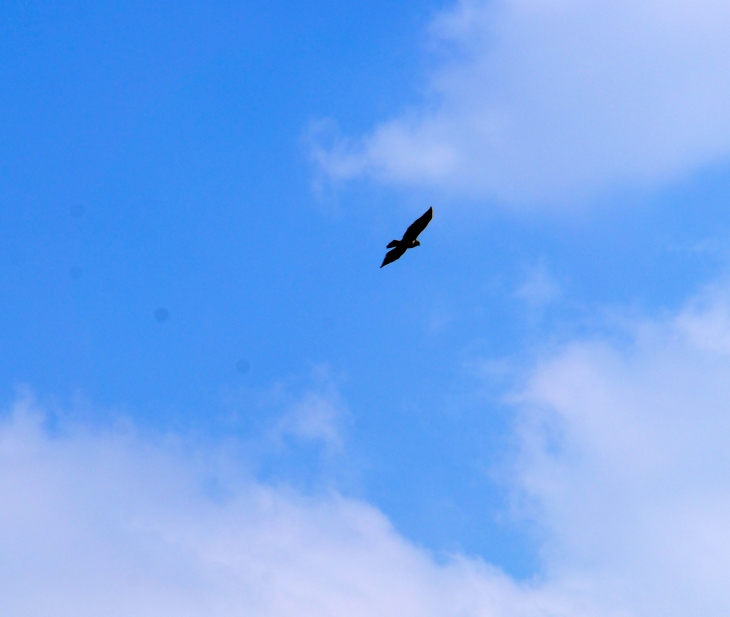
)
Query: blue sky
[{"x": 466, "y": 415}]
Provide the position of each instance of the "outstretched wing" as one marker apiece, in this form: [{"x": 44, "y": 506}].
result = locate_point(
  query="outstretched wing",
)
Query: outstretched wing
[
  {"x": 391, "y": 256},
  {"x": 418, "y": 226}
]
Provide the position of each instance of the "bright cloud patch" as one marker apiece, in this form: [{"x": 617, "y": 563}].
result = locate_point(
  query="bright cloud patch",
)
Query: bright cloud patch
[
  {"x": 627, "y": 463},
  {"x": 624, "y": 465},
  {"x": 110, "y": 524},
  {"x": 554, "y": 99}
]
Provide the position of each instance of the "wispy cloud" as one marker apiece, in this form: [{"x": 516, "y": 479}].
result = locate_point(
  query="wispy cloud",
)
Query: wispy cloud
[
  {"x": 539, "y": 287},
  {"x": 548, "y": 101},
  {"x": 319, "y": 416}
]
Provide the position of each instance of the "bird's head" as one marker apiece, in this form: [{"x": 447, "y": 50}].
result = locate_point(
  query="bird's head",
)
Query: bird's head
[{"x": 416, "y": 243}]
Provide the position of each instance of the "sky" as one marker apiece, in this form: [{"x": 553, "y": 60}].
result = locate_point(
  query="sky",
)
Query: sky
[{"x": 214, "y": 402}]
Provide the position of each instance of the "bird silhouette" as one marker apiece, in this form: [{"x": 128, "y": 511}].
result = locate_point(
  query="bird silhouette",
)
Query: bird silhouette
[{"x": 409, "y": 239}]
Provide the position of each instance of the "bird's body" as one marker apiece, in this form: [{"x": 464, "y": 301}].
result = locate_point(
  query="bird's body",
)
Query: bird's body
[{"x": 409, "y": 240}]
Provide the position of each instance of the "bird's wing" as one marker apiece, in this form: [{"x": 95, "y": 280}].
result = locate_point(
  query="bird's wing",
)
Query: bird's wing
[
  {"x": 391, "y": 256},
  {"x": 418, "y": 226}
]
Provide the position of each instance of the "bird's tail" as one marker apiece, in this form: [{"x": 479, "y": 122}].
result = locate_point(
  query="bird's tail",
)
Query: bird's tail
[{"x": 393, "y": 244}]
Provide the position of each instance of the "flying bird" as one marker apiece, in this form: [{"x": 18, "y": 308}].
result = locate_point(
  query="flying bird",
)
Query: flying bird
[{"x": 409, "y": 239}]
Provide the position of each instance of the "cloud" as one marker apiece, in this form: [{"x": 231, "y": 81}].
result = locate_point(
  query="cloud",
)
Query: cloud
[
  {"x": 547, "y": 101},
  {"x": 318, "y": 416},
  {"x": 625, "y": 461},
  {"x": 623, "y": 466},
  {"x": 110, "y": 523},
  {"x": 539, "y": 288}
]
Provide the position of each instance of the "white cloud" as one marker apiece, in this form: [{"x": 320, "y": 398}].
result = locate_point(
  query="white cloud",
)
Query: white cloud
[
  {"x": 627, "y": 464},
  {"x": 112, "y": 524},
  {"x": 624, "y": 466},
  {"x": 551, "y": 100}
]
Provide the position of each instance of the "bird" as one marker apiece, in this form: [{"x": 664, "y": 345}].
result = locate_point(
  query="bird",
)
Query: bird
[{"x": 409, "y": 240}]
